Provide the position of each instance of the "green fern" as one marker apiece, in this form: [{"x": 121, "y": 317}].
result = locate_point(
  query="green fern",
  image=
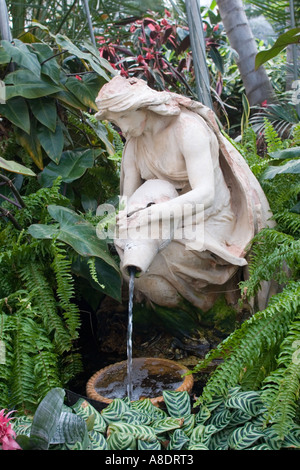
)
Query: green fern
[{"x": 272, "y": 138}]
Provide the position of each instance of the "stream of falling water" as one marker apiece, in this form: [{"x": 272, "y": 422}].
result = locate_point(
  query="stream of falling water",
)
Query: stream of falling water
[{"x": 129, "y": 333}]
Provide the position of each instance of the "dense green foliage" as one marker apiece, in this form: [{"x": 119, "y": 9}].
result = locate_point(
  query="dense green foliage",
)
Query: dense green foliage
[{"x": 232, "y": 423}]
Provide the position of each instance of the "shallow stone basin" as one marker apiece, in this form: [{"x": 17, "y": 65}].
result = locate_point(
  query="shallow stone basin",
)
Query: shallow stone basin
[{"x": 150, "y": 377}]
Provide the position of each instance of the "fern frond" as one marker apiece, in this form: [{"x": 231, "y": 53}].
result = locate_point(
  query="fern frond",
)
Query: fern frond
[
  {"x": 35, "y": 281},
  {"x": 281, "y": 388},
  {"x": 272, "y": 138},
  {"x": 272, "y": 254},
  {"x": 65, "y": 287}
]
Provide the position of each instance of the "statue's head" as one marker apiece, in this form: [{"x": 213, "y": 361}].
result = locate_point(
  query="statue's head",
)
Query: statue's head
[{"x": 131, "y": 94}]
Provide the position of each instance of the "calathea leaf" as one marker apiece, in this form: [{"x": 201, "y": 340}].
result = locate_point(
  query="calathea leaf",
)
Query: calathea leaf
[
  {"x": 178, "y": 403},
  {"x": 244, "y": 437}
]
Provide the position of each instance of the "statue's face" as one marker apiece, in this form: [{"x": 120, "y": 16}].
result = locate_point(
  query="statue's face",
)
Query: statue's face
[{"x": 131, "y": 123}]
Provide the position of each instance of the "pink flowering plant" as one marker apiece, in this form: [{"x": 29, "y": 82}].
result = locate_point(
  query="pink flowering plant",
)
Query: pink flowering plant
[{"x": 7, "y": 434}]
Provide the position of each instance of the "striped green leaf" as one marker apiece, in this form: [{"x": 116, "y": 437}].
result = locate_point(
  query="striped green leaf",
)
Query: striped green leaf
[
  {"x": 21, "y": 425},
  {"x": 239, "y": 417},
  {"x": 121, "y": 441},
  {"x": 166, "y": 424},
  {"x": 202, "y": 434},
  {"x": 197, "y": 447},
  {"x": 178, "y": 440},
  {"x": 203, "y": 415},
  {"x": 98, "y": 441},
  {"x": 144, "y": 445},
  {"x": 136, "y": 417},
  {"x": 260, "y": 447},
  {"x": 249, "y": 402},
  {"x": 114, "y": 410},
  {"x": 220, "y": 419},
  {"x": 292, "y": 439},
  {"x": 147, "y": 407},
  {"x": 219, "y": 440},
  {"x": 84, "y": 409},
  {"x": 243, "y": 437},
  {"x": 178, "y": 403},
  {"x": 144, "y": 433},
  {"x": 188, "y": 424}
]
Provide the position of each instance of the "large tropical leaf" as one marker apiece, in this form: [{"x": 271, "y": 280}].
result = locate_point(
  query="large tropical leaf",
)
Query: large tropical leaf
[
  {"x": 121, "y": 441},
  {"x": 44, "y": 110},
  {"x": 14, "y": 167},
  {"x": 52, "y": 142},
  {"x": 75, "y": 231},
  {"x": 71, "y": 165},
  {"x": 20, "y": 54},
  {"x": 114, "y": 410},
  {"x": 84, "y": 409},
  {"x": 24, "y": 83},
  {"x": 16, "y": 111},
  {"x": 290, "y": 37},
  {"x": 46, "y": 419}
]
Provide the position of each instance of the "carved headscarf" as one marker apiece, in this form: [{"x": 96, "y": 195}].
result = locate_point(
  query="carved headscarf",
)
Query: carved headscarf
[{"x": 129, "y": 94}]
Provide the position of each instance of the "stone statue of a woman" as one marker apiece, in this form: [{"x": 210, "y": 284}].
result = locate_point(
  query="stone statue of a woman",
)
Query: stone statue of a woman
[{"x": 176, "y": 157}]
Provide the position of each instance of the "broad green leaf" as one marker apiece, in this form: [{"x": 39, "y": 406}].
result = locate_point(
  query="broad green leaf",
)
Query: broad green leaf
[
  {"x": 243, "y": 437},
  {"x": 97, "y": 65},
  {"x": 290, "y": 37},
  {"x": 106, "y": 274},
  {"x": 76, "y": 232},
  {"x": 178, "y": 403},
  {"x": 81, "y": 90},
  {"x": 31, "y": 144},
  {"x": 68, "y": 99},
  {"x": 46, "y": 418},
  {"x": 14, "y": 167},
  {"x": 121, "y": 441},
  {"x": 292, "y": 152},
  {"x": 139, "y": 431},
  {"x": 16, "y": 111},
  {"x": 178, "y": 440},
  {"x": 70, "y": 429},
  {"x": 4, "y": 56},
  {"x": 293, "y": 166},
  {"x": 24, "y": 83},
  {"x": 52, "y": 142},
  {"x": 21, "y": 54},
  {"x": 72, "y": 165},
  {"x": 44, "y": 109},
  {"x": 84, "y": 409},
  {"x": 49, "y": 65}
]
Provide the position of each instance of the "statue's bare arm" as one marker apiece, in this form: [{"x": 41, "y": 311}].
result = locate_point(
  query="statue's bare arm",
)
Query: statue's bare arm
[{"x": 131, "y": 178}]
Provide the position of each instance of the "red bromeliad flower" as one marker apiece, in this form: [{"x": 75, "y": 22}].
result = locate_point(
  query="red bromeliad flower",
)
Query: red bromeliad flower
[{"x": 7, "y": 435}]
